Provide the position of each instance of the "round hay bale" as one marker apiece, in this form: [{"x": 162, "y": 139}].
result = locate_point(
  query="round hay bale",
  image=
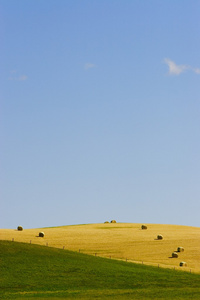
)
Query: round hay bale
[
  {"x": 175, "y": 254},
  {"x": 19, "y": 228},
  {"x": 159, "y": 237},
  {"x": 180, "y": 249},
  {"x": 106, "y": 222},
  {"x": 183, "y": 264},
  {"x": 144, "y": 226},
  {"x": 41, "y": 234},
  {"x": 113, "y": 221}
]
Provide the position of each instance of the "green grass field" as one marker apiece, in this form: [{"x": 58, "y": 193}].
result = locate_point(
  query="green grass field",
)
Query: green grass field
[
  {"x": 32, "y": 271},
  {"x": 121, "y": 241}
]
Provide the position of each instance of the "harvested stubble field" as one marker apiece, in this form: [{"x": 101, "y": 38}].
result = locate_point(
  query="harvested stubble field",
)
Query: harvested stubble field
[{"x": 124, "y": 241}]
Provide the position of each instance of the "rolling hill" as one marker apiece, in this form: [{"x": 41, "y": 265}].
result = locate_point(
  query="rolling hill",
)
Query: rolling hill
[
  {"x": 31, "y": 271},
  {"x": 123, "y": 241}
]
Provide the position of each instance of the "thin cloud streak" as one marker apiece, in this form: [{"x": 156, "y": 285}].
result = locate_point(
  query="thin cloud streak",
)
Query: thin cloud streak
[
  {"x": 175, "y": 69},
  {"x": 88, "y": 66},
  {"x": 17, "y": 78},
  {"x": 22, "y": 78},
  {"x": 197, "y": 71}
]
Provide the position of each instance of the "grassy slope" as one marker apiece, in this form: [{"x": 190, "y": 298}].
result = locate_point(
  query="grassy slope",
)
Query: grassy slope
[
  {"x": 34, "y": 271},
  {"x": 121, "y": 241}
]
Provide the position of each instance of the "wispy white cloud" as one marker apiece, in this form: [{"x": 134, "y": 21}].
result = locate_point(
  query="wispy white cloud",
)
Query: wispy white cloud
[
  {"x": 16, "y": 77},
  {"x": 22, "y": 78},
  {"x": 197, "y": 70},
  {"x": 13, "y": 71},
  {"x": 89, "y": 66},
  {"x": 175, "y": 69}
]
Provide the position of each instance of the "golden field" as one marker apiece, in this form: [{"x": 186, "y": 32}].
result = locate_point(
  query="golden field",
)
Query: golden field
[{"x": 121, "y": 241}]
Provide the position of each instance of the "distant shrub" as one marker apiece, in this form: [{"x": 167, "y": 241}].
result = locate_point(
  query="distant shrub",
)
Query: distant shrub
[
  {"x": 19, "y": 228},
  {"x": 144, "y": 226}
]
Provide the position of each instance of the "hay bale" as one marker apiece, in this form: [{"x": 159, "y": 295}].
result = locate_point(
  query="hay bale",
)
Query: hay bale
[
  {"x": 159, "y": 237},
  {"x": 19, "y": 228},
  {"x": 41, "y": 234},
  {"x": 175, "y": 254},
  {"x": 144, "y": 226},
  {"x": 180, "y": 249},
  {"x": 106, "y": 222},
  {"x": 113, "y": 221},
  {"x": 183, "y": 264}
]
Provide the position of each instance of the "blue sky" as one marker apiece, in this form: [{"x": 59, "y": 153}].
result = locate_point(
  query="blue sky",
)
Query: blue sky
[{"x": 100, "y": 112}]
